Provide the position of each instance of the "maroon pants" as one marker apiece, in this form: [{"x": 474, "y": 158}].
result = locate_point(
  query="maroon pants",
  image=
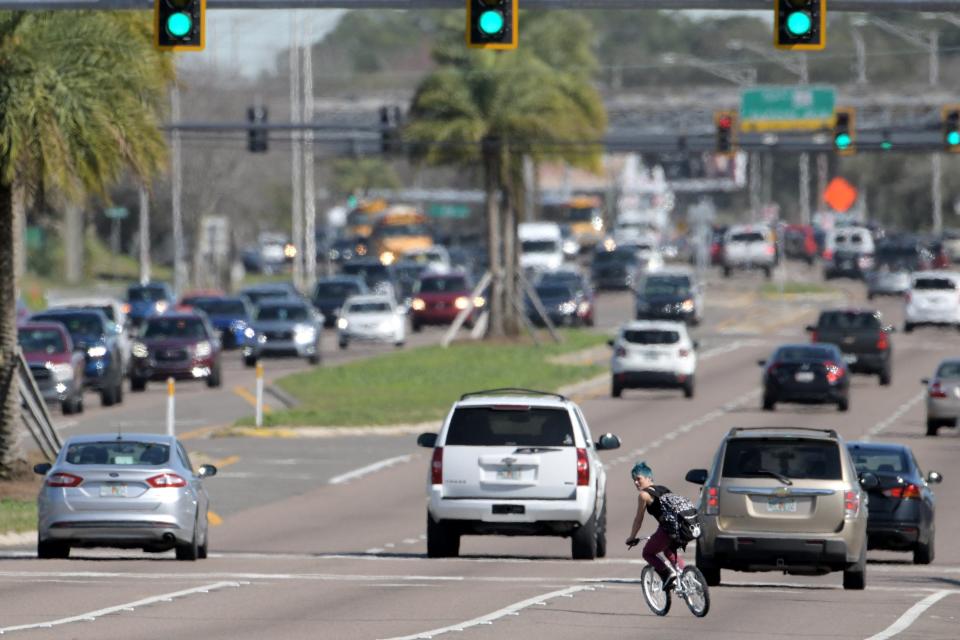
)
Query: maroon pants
[{"x": 661, "y": 542}]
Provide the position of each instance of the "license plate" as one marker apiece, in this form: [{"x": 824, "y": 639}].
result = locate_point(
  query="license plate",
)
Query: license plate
[
  {"x": 509, "y": 474},
  {"x": 849, "y": 358},
  {"x": 781, "y": 505},
  {"x": 804, "y": 376},
  {"x": 113, "y": 491},
  {"x": 651, "y": 355}
]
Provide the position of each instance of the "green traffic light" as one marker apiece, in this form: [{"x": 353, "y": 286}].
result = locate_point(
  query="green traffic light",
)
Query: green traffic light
[
  {"x": 179, "y": 24},
  {"x": 953, "y": 138},
  {"x": 843, "y": 141},
  {"x": 799, "y": 23},
  {"x": 491, "y": 22},
  {"x": 886, "y": 145}
]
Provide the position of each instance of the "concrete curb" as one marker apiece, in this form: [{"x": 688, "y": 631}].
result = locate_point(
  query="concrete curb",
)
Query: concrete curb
[
  {"x": 14, "y": 539},
  {"x": 287, "y": 400},
  {"x": 328, "y": 432}
]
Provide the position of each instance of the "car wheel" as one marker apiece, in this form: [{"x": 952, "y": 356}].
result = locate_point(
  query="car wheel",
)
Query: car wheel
[
  {"x": 250, "y": 361},
  {"x": 398, "y": 344},
  {"x": 885, "y": 378},
  {"x": 314, "y": 359},
  {"x": 214, "y": 380},
  {"x": 67, "y": 406},
  {"x": 138, "y": 384},
  {"x": 602, "y": 531},
  {"x": 615, "y": 390},
  {"x": 106, "y": 397},
  {"x": 871, "y": 296},
  {"x": 202, "y": 549},
  {"x": 727, "y": 271},
  {"x": 417, "y": 327},
  {"x": 52, "y": 550},
  {"x": 907, "y": 327},
  {"x": 583, "y": 542},
  {"x": 932, "y": 426},
  {"x": 769, "y": 404},
  {"x": 189, "y": 551},
  {"x": 710, "y": 572},
  {"x": 688, "y": 387},
  {"x": 442, "y": 540},
  {"x": 118, "y": 392},
  {"x": 923, "y": 553},
  {"x": 79, "y": 404},
  {"x": 344, "y": 344},
  {"x": 767, "y": 273},
  {"x": 843, "y": 404},
  {"x": 855, "y": 576}
]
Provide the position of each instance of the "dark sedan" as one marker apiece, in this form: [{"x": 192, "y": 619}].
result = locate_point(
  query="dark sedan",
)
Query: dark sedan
[
  {"x": 901, "y": 504},
  {"x": 181, "y": 345},
  {"x": 806, "y": 374},
  {"x": 580, "y": 285},
  {"x": 330, "y": 294},
  {"x": 231, "y": 317},
  {"x": 615, "y": 269},
  {"x": 560, "y": 302}
]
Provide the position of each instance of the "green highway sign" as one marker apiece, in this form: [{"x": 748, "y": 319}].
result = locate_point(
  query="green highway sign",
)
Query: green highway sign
[
  {"x": 116, "y": 213},
  {"x": 787, "y": 108},
  {"x": 459, "y": 211}
]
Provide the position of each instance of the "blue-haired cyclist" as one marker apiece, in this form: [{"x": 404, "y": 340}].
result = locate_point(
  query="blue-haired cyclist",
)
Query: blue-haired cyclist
[{"x": 661, "y": 541}]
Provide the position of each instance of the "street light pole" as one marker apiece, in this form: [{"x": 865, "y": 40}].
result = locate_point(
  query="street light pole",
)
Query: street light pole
[
  {"x": 296, "y": 160},
  {"x": 179, "y": 268},
  {"x": 309, "y": 191}
]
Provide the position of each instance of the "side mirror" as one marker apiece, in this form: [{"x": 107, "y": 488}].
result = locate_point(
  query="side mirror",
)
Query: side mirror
[
  {"x": 696, "y": 344},
  {"x": 207, "y": 471},
  {"x": 607, "y": 442},
  {"x": 427, "y": 440},
  {"x": 610, "y": 342},
  {"x": 869, "y": 480},
  {"x": 933, "y": 477},
  {"x": 761, "y": 363},
  {"x": 924, "y": 381},
  {"x": 810, "y": 327},
  {"x": 890, "y": 329},
  {"x": 42, "y": 468},
  {"x": 697, "y": 476}
]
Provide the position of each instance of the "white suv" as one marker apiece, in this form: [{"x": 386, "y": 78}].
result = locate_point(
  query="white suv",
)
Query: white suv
[
  {"x": 516, "y": 462},
  {"x": 933, "y": 298},
  {"x": 650, "y": 354},
  {"x": 749, "y": 247}
]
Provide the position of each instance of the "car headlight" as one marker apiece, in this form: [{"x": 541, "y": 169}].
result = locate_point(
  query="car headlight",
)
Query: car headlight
[
  {"x": 479, "y": 301},
  {"x": 61, "y": 372},
  {"x": 418, "y": 304},
  {"x": 597, "y": 223},
  {"x": 303, "y": 333},
  {"x": 97, "y": 352},
  {"x": 342, "y": 323},
  {"x": 461, "y": 303},
  {"x": 262, "y": 339},
  {"x": 249, "y": 333},
  {"x": 161, "y": 306},
  {"x": 583, "y": 308},
  {"x": 387, "y": 258},
  {"x": 139, "y": 350},
  {"x": 686, "y": 305},
  {"x": 567, "y": 308},
  {"x": 203, "y": 349}
]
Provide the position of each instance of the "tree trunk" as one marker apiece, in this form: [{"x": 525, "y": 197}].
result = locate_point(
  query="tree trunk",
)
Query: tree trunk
[
  {"x": 491, "y": 169},
  {"x": 11, "y": 433},
  {"x": 73, "y": 238},
  {"x": 511, "y": 323}
]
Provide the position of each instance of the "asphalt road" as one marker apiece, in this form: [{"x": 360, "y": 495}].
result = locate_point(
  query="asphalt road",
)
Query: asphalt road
[{"x": 299, "y": 556}]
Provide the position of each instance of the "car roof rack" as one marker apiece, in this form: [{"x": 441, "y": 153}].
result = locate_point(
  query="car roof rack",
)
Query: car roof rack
[
  {"x": 512, "y": 390},
  {"x": 830, "y": 432}
]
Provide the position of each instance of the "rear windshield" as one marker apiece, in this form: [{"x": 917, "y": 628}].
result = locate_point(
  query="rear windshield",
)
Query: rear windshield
[
  {"x": 146, "y": 294},
  {"x": 794, "y": 458},
  {"x": 845, "y": 320},
  {"x": 934, "y": 283},
  {"x": 803, "y": 354},
  {"x": 651, "y": 336},
  {"x": 879, "y": 460},
  {"x": 221, "y": 307},
  {"x": 41, "y": 340},
  {"x": 442, "y": 285},
  {"x": 294, "y": 313},
  {"x": 554, "y": 291},
  {"x": 165, "y": 328},
  {"x": 118, "y": 453},
  {"x": 539, "y": 246},
  {"x": 946, "y": 370},
  {"x": 492, "y": 427},
  {"x": 749, "y": 236}
]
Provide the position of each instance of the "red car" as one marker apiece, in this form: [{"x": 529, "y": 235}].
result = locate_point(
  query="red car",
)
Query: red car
[
  {"x": 800, "y": 243},
  {"x": 437, "y": 299},
  {"x": 56, "y": 366},
  {"x": 177, "y": 345}
]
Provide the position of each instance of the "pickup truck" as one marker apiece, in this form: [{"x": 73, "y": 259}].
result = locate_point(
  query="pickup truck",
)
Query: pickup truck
[
  {"x": 749, "y": 247},
  {"x": 862, "y": 337}
]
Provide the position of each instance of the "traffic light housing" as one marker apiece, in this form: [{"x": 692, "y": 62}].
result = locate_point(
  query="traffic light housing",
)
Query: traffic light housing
[
  {"x": 800, "y": 25},
  {"x": 492, "y": 24},
  {"x": 178, "y": 25},
  {"x": 950, "y": 120},
  {"x": 726, "y": 124},
  {"x": 257, "y": 138},
  {"x": 845, "y": 131}
]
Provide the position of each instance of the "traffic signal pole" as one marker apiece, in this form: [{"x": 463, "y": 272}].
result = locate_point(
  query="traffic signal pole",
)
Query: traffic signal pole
[
  {"x": 296, "y": 158},
  {"x": 309, "y": 191}
]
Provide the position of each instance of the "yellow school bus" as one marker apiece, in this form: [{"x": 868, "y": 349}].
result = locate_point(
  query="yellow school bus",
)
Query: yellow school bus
[
  {"x": 400, "y": 230},
  {"x": 360, "y": 220}
]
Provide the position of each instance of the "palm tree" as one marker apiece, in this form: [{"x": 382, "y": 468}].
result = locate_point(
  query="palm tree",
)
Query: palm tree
[
  {"x": 488, "y": 110},
  {"x": 80, "y": 102}
]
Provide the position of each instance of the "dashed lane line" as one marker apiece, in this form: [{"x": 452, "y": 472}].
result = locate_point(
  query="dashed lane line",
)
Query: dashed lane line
[
  {"x": 368, "y": 469},
  {"x": 883, "y": 425},
  {"x": 910, "y": 616}
]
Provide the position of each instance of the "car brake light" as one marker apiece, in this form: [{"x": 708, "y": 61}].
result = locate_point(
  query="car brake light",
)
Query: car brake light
[
  {"x": 64, "y": 480},
  {"x": 813, "y": 336},
  {"x": 908, "y": 492},
  {"x": 851, "y": 504},
  {"x": 583, "y": 468},
  {"x": 620, "y": 352},
  {"x": 684, "y": 353},
  {"x": 436, "y": 466},
  {"x": 166, "y": 481},
  {"x": 883, "y": 343},
  {"x": 770, "y": 249},
  {"x": 772, "y": 368},
  {"x": 834, "y": 372},
  {"x": 936, "y": 391},
  {"x": 907, "y": 297},
  {"x": 713, "y": 501},
  {"x": 827, "y": 254}
]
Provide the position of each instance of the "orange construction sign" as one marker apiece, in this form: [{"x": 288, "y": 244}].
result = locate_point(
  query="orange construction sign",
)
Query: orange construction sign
[{"x": 840, "y": 195}]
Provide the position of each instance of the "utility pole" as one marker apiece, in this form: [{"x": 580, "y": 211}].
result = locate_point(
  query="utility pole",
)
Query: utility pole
[
  {"x": 309, "y": 191},
  {"x": 823, "y": 174},
  {"x": 805, "y": 213},
  {"x": 179, "y": 268},
  {"x": 755, "y": 186},
  {"x": 144, "y": 234},
  {"x": 296, "y": 169},
  {"x": 936, "y": 189},
  {"x": 861, "y": 66}
]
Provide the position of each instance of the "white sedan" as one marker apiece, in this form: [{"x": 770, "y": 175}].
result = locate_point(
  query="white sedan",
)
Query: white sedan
[{"x": 371, "y": 318}]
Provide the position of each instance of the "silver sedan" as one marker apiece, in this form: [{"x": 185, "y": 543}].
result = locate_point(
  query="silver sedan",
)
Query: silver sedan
[
  {"x": 943, "y": 396},
  {"x": 127, "y": 491}
]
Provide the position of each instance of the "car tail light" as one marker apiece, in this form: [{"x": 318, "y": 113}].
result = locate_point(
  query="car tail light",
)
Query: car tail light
[
  {"x": 813, "y": 336},
  {"x": 436, "y": 466},
  {"x": 883, "y": 343},
  {"x": 851, "y": 504},
  {"x": 772, "y": 368},
  {"x": 936, "y": 391},
  {"x": 907, "y": 297},
  {"x": 125, "y": 308},
  {"x": 166, "y": 481},
  {"x": 828, "y": 254},
  {"x": 684, "y": 353},
  {"x": 583, "y": 468},
  {"x": 906, "y": 492},
  {"x": 771, "y": 250},
  {"x": 713, "y": 501},
  {"x": 64, "y": 480},
  {"x": 621, "y": 352},
  {"x": 834, "y": 371}
]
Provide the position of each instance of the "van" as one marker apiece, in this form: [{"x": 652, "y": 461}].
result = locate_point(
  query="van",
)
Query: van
[
  {"x": 849, "y": 253},
  {"x": 541, "y": 246}
]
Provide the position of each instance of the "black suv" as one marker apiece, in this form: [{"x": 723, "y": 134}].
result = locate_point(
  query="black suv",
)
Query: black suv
[{"x": 862, "y": 337}]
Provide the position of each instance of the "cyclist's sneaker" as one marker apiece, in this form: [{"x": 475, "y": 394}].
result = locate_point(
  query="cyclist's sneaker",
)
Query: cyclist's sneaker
[{"x": 667, "y": 579}]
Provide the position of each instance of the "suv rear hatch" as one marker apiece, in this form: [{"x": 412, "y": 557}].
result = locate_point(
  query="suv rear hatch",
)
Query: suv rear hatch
[
  {"x": 934, "y": 293},
  {"x": 753, "y": 499},
  {"x": 510, "y": 452},
  {"x": 650, "y": 349},
  {"x": 748, "y": 247},
  {"x": 853, "y": 331}
]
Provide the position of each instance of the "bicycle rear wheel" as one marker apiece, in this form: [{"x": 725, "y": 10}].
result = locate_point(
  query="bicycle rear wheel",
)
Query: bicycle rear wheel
[
  {"x": 657, "y": 599},
  {"x": 695, "y": 591}
]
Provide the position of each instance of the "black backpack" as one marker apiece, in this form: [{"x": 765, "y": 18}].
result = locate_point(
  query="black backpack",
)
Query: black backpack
[{"x": 679, "y": 518}]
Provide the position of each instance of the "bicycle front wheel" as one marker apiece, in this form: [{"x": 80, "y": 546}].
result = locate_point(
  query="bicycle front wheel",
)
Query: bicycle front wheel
[
  {"x": 657, "y": 599},
  {"x": 695, "y": 591}
]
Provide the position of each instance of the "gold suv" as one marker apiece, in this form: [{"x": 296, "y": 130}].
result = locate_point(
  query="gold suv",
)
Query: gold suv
[{"x": 782, "y": 499}]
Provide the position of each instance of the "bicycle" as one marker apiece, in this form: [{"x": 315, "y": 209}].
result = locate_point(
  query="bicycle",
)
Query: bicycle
[{"x": 690, "y": 585}]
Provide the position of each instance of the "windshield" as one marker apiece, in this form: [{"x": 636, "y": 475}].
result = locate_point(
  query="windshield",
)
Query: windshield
[
  {"x": 78, "y": 324},
  {"x": 539, "y": 246},
  {"x": 369, "y": 307},
  {"x": 651, "y": 336},
  {"x": 949, "y": 370},
  {"x": 256, "y": 296},
  {"x": 552, "y": 291},
  {"x": 118, "y": 453},
  {"x": 370, "y": 273},
  {"x": 221, "y": 307},
  {"x": 619, "y": 256},
  {"x": 146, "y": 294},
  {"x": 934, "y": 284},
  {"x": 679, "y": 287},
  {"x": 166, "y": 328},
  {"x": 794, "y": 458},
  {"x": 41, "y": 340},
  {"x": 401, "y": 230},
  {"x": 803, "y": 354},
  {"x": 749, "y": 236},
  {"x": 292, "y": 313},
  {"x": 581, "y": 214},
  {"x": 510, "y": 427},
  {"x": 336, "y": 290},
  {"x": 442, "y": 285}
]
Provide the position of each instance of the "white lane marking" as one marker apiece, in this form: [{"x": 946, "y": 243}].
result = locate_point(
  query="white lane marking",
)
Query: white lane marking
[
  {"x": 370, "y": 468},
  {"x": 893, "y": 417},
  {"x": 911, "y": 615},
  {"x": 728, "y": 348},
  {"x": 513, "y": 609},
  {"x": 130, "y": 606}
]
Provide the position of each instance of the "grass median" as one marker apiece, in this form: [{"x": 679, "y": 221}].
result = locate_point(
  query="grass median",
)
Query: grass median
[
  {"x": 418, "y": 385},
  {"x": 17, "y": 516},
  {"x": 773, "y": 290}
]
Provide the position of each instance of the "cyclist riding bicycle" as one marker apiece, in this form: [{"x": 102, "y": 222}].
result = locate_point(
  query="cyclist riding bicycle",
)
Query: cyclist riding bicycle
[{"x": 661, "y": 541}]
